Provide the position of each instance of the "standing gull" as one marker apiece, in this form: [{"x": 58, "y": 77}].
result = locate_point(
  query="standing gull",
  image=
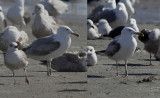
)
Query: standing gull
[
  {"x": 116, "y": 17},
  {"x": 16, "y": 59},
  {"x": 151, "y": 41},
  {"x": 122, "y": 48},
  {"x": 91, "y": 56},
  {"x": 103, "y": 27},
  {"x": 55, "y": 7},
  {"x": 16, "y": 13},
  {"x": 47, "y": 48},
  {"x": 92, "y": 31},
  {"x": 12, "y": 34},
  {"x": 43, "y": 25},
  {"x": 3, "y": 22}
]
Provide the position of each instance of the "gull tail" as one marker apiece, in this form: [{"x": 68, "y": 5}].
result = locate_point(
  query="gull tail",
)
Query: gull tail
[{"x": 101, "y": 52}]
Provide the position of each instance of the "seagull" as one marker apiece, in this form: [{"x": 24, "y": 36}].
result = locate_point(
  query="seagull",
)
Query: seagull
[
  {"x": 16, "y": 14},
  {"x": 3, "y": 22},
  {"x": 54, "y": 7},
  {"x": 151, "y": 41},
  {"x": 122, "y": 48},
  {"x": 109, "y": 5},
  {"x": 115, "y": 33},
  {"x": 71, "y": 62},
  {"x": 49, "y": 47},
  {"x": 116, "y": 17},
  {"x": 92, "y": 31},
  {"x": 16, "y": 59},
  {"x": 12, "y": 34},
  {"x": 43, "y": 25},
  {"x": 91, "y": 56},
  {"x": 129, "y": 7},
  {"x": 103, "y": 27}
]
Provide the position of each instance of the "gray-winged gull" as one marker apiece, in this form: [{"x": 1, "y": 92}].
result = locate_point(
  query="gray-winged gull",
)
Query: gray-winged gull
[
  {"x": 103, "y": 27},
  {"x": 109, "y": 5},
  {"x": 16, "y": 59},
  {"x": 12, "y": 34},
  {"x": 151, "y": 41},
  {"x": 71, "y": 62},
  {"x": 3, "y": 22},
  {"x": 91, "y": 56},
  {"x": 55, "y": 7},
  {"x": 53, "y": 46},
  {"x": 116, "y": 17},
  {"x": 43, "y": 25},
  {"x": 16, "y": 14},
  {"x": 92, "y": 31},
  {"x": 122, "y": 48}
]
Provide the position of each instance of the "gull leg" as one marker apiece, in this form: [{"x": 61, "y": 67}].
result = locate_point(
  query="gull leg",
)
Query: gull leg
[
  {"x": 48, "y": 68},
  {"x": 150, "y": 60},
  {"x": 117, "y": 68},
  {"x": 26, "y": 80},
  {"x": 14, "y": 77},
  {"x": 126, "y": 70}
]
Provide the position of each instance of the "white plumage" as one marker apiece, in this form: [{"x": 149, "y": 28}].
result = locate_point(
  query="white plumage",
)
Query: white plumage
[
  {"x": 12, "y": 34},
  {"x": 91, "y": 56},
  {"x": 15, "y": 59},
  {"x": 43, "y": 25},
  {"x": 3, "y": 22},
  {"x": 16, "y": 13},
  {"x": 55, "y": 7},
  {"x": 103, "y": 27},
  {"x": 92, "y": 30}
]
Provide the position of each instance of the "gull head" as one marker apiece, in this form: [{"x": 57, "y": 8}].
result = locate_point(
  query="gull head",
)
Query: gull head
[
  {"x": 90, "y": 23},
  {"x": 38, "y": 9},
  {"x": 102, "y": 21},
  {"x": 130, "y": 31},
  {"x": 121, "y": 7},
  {"x": 132, "y": 22},
  {"x": 90, "y": 49},
  {"x": 13, "y": 46},
  {"x": 65, "y": 30}
]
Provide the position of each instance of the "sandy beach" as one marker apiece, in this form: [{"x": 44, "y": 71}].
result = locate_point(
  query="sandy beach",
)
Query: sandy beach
[{"x": 99, "y": 81}]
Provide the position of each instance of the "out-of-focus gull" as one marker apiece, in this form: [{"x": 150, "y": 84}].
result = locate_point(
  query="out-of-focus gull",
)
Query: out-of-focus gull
[
  {"x": 92, "y": 31},
  {"x": 55, "y": 7},
  {"x": 43, "y": 25},
  {"x": 116, "y": 17},
  {"x": 151, "y": 40},
  {"x": 109, "y": 5},
  {"x": 122, "y": 48},
  {"x": 129, "y": 7},
  {"x": 91, "y": 56},
  {"x": 16, "y": 59},
  {"x": 3, "y": 22},
  {"x": 16, "y": 14},
  {"x": 47, "y": 48},
  {"x": 12, "y": 34},
  {"x": 117, "y": 31},
  {"x": 103, "y": 27},
  {"x": 71, "y": 62}
]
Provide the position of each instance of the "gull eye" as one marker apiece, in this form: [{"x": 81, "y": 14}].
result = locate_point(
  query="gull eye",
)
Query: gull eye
[
  {"x": 10, "y": 45},
  {"x": 91, "y": 50},
  {"x": 130, "y": 30}
]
